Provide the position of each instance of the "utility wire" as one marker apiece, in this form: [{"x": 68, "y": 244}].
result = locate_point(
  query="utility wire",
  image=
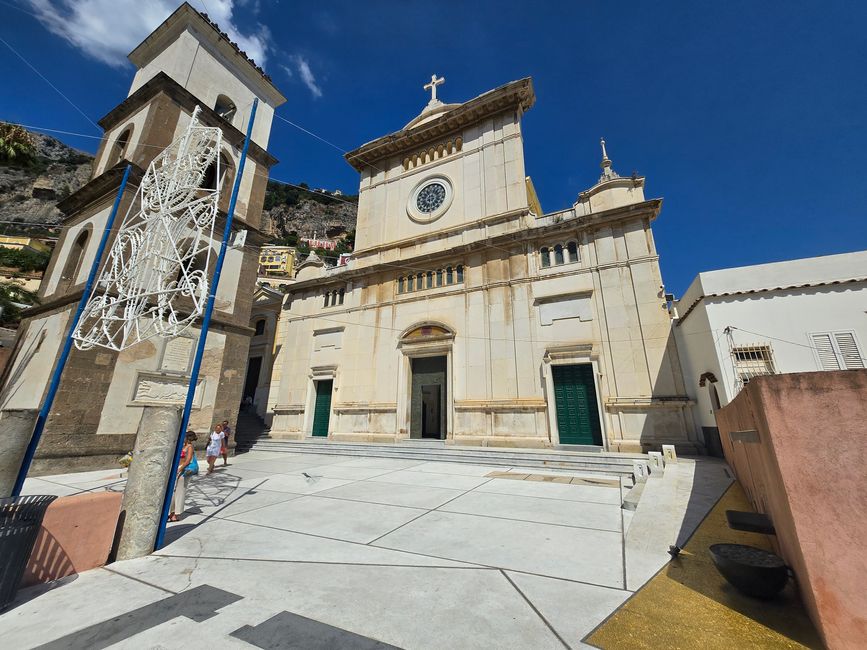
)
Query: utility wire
[
  {"x": 45, "y": 79},
  {"x": 775, "y": 338}
]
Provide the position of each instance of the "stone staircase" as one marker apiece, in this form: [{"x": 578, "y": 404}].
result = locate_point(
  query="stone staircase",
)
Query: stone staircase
[
  {"x": 553, "y": 458},
  {"x": 248, "y": 431}
]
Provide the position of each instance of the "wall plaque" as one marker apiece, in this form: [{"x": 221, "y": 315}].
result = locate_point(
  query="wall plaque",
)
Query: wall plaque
[
  {"x": 159, "y": 390},
  {"x": 176, "y": 356}
]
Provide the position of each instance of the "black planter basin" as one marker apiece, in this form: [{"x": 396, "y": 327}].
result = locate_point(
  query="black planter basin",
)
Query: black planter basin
[{"x": 750, "y": 570}]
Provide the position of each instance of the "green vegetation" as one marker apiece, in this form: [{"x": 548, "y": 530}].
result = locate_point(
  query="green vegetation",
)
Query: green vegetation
[
  {"x": 18, "y": 148},
  {"x": 24, "y": 260},
  {"x": 16, "y": 145},
  {"x": 347, "y": 244},
  {"x": 12, "y": 296},
  {"x": 282, "y": 194}
]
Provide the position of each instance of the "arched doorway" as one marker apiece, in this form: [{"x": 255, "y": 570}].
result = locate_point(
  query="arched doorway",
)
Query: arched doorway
[{"x": 427, "y": 351}]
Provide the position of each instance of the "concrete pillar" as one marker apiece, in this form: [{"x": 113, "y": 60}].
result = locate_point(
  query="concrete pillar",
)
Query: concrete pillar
[
  {"x": 146, "y": 484},
  {"x": 16, "y": 428}
]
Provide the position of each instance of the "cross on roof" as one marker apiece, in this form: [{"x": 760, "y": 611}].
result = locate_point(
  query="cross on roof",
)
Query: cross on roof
[{"x": 432, "y": 86}]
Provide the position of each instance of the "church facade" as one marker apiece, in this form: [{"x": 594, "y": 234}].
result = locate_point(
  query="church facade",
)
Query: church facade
[
  {"x": 186, "y": 62},
  {"x": 467, "y": 315}
]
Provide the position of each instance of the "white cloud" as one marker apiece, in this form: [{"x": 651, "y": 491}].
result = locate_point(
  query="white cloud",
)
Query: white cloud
[
  {"x": 107, "y": 30},
  {"x": 306, "y": 74},
  {"x": 289, "y": 72}
]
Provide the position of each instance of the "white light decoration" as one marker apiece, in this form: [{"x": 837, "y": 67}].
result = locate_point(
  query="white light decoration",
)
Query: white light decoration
[{"x": 162, "y": 251}]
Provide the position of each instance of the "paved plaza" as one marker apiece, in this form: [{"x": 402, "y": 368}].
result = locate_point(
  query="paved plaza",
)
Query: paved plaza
[{"x": 329, "y": 551}]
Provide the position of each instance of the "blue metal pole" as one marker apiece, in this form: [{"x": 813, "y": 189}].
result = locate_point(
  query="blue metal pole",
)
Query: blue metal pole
[
  {"x": 67, "y": 346},
  {"x": 203, "y": 335}
]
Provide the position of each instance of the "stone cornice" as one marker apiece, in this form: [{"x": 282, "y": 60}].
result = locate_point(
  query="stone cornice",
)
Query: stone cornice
[
  {"x": 187, "y": 100},
  {"x": 218, "y": 320},
  {"x": 97, "y": 188},
  {"x": 444, "y": 232},
  {"x": 516, "y": 94},
  {"x": 106, "y": 183},
  {"x": 647, "y": 208}
]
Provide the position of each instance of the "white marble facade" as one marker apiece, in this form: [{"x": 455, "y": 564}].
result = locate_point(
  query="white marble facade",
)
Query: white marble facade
[{"x": 454, "y": 261}]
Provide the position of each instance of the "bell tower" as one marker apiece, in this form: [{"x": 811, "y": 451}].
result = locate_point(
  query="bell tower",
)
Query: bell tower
[{"x": 186, "y": 62}]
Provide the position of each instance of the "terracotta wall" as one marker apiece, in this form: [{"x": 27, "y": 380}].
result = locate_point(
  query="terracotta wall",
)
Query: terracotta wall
[
  {"x": 805, "y": 467},
  {"x": 77, "y": 534}
]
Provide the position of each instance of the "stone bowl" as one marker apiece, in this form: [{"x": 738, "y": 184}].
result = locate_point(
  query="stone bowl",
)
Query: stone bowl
[{"x": 752, "y": 571}]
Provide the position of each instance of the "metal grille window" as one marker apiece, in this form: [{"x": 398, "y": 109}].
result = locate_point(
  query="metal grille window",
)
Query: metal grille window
[
  {"x": 753, "y": 361},
  {"x": 838, "y": 350}
]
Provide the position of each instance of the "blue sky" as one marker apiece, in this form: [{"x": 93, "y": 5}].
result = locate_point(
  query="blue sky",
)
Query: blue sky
[{"x": 748, "y": 118}]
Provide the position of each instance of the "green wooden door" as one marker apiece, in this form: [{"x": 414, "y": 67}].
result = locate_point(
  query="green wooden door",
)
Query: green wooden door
[
  {"x": 322, "y": 408},
  {"x": 577, "y": 412}
]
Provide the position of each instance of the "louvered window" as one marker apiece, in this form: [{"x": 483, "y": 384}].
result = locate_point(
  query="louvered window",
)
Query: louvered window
[{"x": 838, "y": 350}]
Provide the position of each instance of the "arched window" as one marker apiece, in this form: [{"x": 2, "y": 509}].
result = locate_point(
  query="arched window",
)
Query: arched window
[
  {"x": 419, "y": 281},
  {"x": 73, "y": 261},
  {"x": 430, "y": 279},
  {"x": 325, "y": 303},
  {"x": 450, "y": 277},
  {"x": 119, "y": 148},
  {"x": 196, "y": 267},
  {"x": 409, "y": 283},
  {"x": 340, "y": 296},
  {"x": 572, "y": 248},
  {"x": 225, "y": 108},
  {"x": 439, "y": 277},
  {"x": 558, "y": 255},
  {"x": 210, "y": 180},
  {"x": 460, "y": 271},
  {"x": 400, "y": 285},
  {"x": 260, "y": 327},
  {"x": 544, "y": 253}
]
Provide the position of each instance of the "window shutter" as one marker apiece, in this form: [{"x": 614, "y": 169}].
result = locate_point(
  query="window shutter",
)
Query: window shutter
[
  {"x": 826, "y": 351},
  {"x": 849, "y": 350}
]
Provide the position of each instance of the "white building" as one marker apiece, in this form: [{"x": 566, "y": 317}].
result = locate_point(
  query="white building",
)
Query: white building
[
  {"x": 796, "y": 316},
  {"x": 467, "y": 315}
]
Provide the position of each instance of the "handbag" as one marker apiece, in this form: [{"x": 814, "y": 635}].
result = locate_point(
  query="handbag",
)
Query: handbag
[{"x": 193, "y": 468}]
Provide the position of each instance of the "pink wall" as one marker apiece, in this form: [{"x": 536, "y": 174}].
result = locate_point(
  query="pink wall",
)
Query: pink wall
[
  {"x": 76, "y": 535},
  {"x": 807, "y": 472}
]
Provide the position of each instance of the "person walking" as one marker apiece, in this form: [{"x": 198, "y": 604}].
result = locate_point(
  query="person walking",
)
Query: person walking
[
  {"x": 224, "y": 448},
  {"x": 215, "y": 446},
  {"x": 187, "y": 467}
]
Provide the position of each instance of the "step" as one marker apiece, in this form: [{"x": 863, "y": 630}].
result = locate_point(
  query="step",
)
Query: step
[{"x": 595, "y": 461}]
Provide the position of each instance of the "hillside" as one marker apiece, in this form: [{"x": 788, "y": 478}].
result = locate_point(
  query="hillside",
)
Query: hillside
[
  {"x": 29, "y": 193},
  {"x": 295, "y": 210}
]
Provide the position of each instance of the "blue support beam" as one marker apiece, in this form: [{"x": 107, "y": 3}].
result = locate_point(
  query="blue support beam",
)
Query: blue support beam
[
  {"x": 203, "y": 335},
  {"x": 67, "y": 345}
]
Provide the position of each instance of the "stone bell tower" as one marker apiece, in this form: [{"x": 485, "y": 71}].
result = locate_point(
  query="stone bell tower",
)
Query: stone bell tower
[{"x": 186, "y": 62}]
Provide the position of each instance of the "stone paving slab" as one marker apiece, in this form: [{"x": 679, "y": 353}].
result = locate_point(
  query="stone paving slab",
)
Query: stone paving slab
[
  {"x": 408, "y": 607},
  {"x": 572, "y": 609},
  {"x": 566, "y": 492},
  {"x": 430, "y": 479},
  {"x": 533, "y": 509},
  {"x": 412, "y": 496},
  {"x": 412, "y": 554},
  {"x": 462, "y": 469},
  {"x": 585, "y": 555},
  {"x": 300, "y": 484},
  {"x": 351, "y": 521},
  {"x": 80, "y": 601}
]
